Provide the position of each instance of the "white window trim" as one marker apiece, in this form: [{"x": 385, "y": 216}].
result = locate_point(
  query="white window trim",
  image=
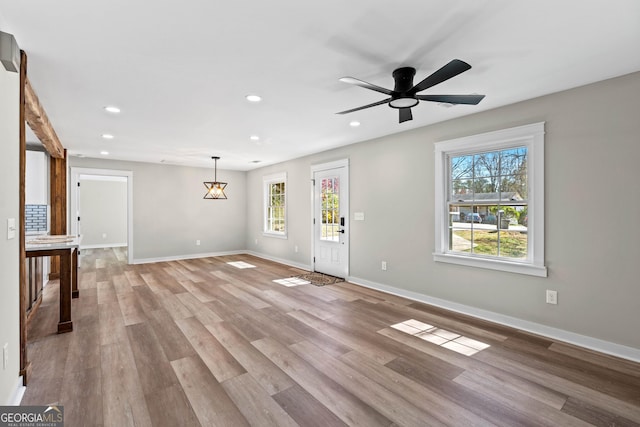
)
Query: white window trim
[
  {"x": 266, "y": 181},
  {"x": 531, "y": 136}
]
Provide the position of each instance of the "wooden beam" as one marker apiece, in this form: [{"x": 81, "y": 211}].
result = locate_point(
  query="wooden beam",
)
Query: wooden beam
[
  {"x": 24, "y": 361},
  {"x": 58, "y": 200},
  {"x": 39, "y": 123}
]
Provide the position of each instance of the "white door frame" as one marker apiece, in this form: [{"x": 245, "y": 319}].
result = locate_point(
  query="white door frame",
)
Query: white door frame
[
  {"x": 344, "y": 207},
  {"x": 75, "y": 179}
]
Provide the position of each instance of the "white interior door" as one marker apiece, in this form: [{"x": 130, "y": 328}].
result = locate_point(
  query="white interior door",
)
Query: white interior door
[{"x": 331, "y": 220}]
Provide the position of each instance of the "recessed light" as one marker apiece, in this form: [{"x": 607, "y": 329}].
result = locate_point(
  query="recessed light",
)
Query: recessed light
[
  {"x": 254, "y": 138},
  {"x": 256, "y": 161},
  {"x": 112, "y": 109},
  {"x": 253, "y": 98},
  {"x": 354, "y": 124},
  {"x": 107, "y": 136},
  {"x": 104, "y": 153}
]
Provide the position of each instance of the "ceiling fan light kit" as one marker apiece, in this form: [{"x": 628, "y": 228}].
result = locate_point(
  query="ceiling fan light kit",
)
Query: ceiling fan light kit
[
  {"x": 215, "y": 189},
  {"x": 405, "y": 95}
]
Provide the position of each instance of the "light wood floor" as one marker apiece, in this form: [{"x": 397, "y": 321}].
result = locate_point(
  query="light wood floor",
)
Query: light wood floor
[{"x": 200, "y": 342}]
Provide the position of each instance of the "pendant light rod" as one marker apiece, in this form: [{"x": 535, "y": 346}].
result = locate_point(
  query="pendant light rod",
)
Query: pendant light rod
[{"x": 215, "y": 167}]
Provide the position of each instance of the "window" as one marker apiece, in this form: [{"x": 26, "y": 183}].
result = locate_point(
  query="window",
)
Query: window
[
  {"x": 275, "y": 223},
  {"x": 490, "y": 201}
]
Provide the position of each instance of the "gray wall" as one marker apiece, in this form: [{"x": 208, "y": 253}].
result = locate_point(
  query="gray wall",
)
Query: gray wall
[
  {"x": 592, "y": 213},
  {"x": 169, "y": 214},
  {"x": 9, "y": 249},
  {"x": 103, "y": 212}
]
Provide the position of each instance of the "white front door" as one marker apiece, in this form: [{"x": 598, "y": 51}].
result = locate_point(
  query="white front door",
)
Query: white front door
[{"x": 331, "y": 219}]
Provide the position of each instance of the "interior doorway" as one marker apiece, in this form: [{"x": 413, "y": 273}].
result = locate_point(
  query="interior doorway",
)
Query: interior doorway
[
  {"x": 331, "y": 218},
  {"x": 103, "y": 176}
]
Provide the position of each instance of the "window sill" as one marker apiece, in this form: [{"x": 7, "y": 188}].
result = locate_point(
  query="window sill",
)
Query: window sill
[
  {"x": 276, "y": 235},
  {"x": 491, "y": 264}
]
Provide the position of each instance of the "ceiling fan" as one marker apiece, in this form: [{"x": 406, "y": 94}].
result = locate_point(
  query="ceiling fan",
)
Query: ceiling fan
[{"x": 405, "y": 95}]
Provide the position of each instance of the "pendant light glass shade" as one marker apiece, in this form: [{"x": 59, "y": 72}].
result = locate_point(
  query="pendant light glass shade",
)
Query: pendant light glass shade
[{"x": 215, "y": 189}]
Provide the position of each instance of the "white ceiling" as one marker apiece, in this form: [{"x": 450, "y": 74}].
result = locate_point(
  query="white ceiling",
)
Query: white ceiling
[{"x": 180, "y": 70}]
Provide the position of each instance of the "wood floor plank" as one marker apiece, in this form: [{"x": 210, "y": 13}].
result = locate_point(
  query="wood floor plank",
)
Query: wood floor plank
[
  {"x": 352, "y": 340},
  {"x": 131, "y": 308},
  {"x": 268, "y": 375},
  {"x": 441, "y": 408},
  {"x": 152, "y": 364},
  {"x": 245, "y": 296},
  {"x": 123, "y": 402},
  {"x": 305, "y": 409},
  {"x": 146, "y": 298},
  {"x": 347, "y": 407},
  {"x": 111, "y": 328},
  {"x": 610, "y": 362},
  {"x": 173, "y": 305},
  {"x": 134, "y": 278},
  {"x": 481, "y": 404},
  {"x": 562, "y": 385},
  {"x": 595, "y": 415},
  {"x": 211, "y": 404},
  {"x": 170, "y": 407},
  {"x": 300, "y": 305},
  {"x": 528, "y": 407},
  {"x": 174, "y": 344},
  {"x": 219, "y": 361},
  {"x": 249, "y": 330},
  {"x": 106, "y": 292},
  {"x": 255, "y": 403},
  {"x": 81, "y": 395},
  {"x": 201, "y": 311},
  {"x": 391, "y": 405},
  {"x": 198, "y": 290}
]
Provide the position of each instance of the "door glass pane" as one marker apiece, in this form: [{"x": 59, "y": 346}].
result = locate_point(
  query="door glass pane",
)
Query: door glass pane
[{"x": 330, "y": 209}]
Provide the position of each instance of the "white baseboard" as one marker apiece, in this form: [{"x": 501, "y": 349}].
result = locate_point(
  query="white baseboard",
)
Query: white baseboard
[
  {"x": 18, "y": 393},
  {"x": 591, "y": 343},
  {"x": 280, "y": 260},
  {"x": 190, "y": 256}
]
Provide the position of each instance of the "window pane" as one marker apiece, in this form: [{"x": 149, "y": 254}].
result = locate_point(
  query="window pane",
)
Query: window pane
[
  {"x": 275, "y": 207},
  {"x": 330, "y": 209},
  {"x": 494, "y": 230},
  {"x": 461, "y": 167},
  {"x": 485, "y": 217}
]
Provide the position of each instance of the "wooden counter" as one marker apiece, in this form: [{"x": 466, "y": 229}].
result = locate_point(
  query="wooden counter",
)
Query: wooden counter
[{"x": 66, "y": 247}]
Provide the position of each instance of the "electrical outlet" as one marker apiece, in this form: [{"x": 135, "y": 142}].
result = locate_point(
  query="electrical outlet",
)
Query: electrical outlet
[
  {"x": 197, "y": 242},
  {"x": 295, "y": 248},
  {"x": 552, "y": 297},
  {"x": 384, "y": 265},
  {"x": 5, "y": 356},
  {"x": 104, "y": 235},
  {"x": 256, "y": 241}
]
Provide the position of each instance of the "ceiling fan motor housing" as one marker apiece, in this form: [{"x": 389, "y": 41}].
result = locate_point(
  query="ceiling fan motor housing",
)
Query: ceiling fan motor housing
[{"x": 403, "y": 78}]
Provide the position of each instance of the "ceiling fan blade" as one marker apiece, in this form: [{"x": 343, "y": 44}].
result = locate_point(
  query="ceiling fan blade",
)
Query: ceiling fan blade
[
  {"x": 405, "y": 114},
  {"x": 452, "y": 99},
  {"x": 450, "y": 70},
  {"x": 384, "y": 101},
  {"x": 366, "y": 85}
]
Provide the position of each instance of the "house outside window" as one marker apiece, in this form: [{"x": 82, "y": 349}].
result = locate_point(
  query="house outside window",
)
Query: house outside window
[
  {"x": 490, "y": 200},
  {"x": 275, "y": 215}
]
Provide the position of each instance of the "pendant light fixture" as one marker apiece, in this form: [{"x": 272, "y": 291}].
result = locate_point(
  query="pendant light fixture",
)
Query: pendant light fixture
[{"x": 215, "y": 189}]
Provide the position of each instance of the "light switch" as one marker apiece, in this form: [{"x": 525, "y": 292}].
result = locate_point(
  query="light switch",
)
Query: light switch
[
  {"x": 11, "y": 228},
  {"x": 358, "y": 216}
]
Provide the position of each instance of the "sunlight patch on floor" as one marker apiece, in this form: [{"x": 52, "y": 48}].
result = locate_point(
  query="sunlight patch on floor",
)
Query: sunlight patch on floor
[
  {"x": 442, "y": 337},
  {"x": 292, "y": 281},
  {"x": 241, "y": 264}
]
